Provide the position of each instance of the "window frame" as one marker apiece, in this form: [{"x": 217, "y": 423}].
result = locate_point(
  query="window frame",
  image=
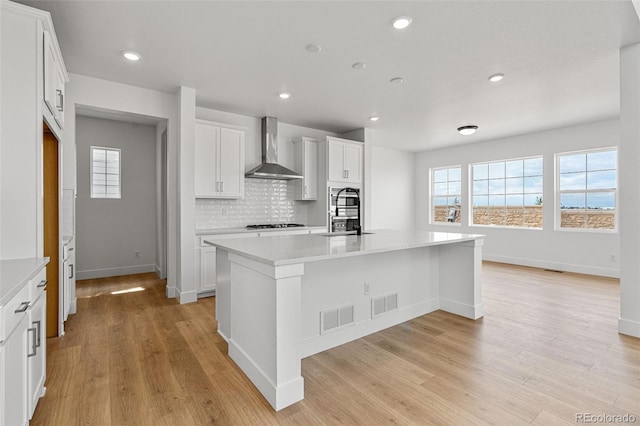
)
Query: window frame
[
  {"x": 505, "y": 161},
  {"x": 558, "y": 205},
  {"x": 91, "y": 175},
  {"x": 432, "y": 196}
]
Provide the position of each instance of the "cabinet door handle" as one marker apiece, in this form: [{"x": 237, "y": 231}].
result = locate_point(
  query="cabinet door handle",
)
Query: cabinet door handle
[
  {"x": 71, "y": 269},
  {"x": 71, "y": 249},
  {"x": 347, "y": 174},
  {"x": 217, "y": 186},
  {"x": 38, "y": 332},
  {"x": 222, "y": 186},
  {"x": 43, "y": 283},
  {"x": 23, "y": 307},
  {"x": 33, "y": 342},
  {"x": 60, "y": 107}
]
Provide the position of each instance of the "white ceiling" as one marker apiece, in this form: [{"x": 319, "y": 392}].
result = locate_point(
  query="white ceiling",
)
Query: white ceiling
[{"x": 560, "y": 59}]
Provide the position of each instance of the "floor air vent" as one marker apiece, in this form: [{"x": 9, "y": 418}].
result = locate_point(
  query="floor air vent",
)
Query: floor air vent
[
  {"x": 336, "y": 318},
  {"x": 384, "y": 304}
]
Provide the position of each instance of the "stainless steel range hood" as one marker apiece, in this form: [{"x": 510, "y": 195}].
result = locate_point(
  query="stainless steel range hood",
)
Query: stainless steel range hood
[{"x": 270, "y": 169}]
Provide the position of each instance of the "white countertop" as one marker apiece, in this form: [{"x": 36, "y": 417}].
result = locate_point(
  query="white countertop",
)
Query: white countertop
[
  {"x": 290, "y": 249},
  {"x": 218, "y": 231},
  {"x": 15, "y": 273}
]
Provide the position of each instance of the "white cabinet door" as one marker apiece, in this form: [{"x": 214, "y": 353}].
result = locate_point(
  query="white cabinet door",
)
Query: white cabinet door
[
  {"x": 353, "y": 162},
  {"x": 37, "y": 357},
  {"x": 206, "y": 149},
  {"x": 337, "y": 172},
  {"x": 219, "y": 161},
  {"x": 13, "y": 371},
  {"x": 53, "y": 81},
  {"x": 306, "y": 158},
  {"x": 231, "y": 162},
  {"x": 207, "y": 269}
]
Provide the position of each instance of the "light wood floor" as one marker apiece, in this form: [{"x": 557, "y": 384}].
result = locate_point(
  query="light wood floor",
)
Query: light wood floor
[{"x": 547, "y": 349}]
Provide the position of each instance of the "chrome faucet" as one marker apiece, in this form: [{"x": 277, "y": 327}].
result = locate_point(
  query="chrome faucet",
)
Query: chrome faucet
[{"x": 355, "y": 191}]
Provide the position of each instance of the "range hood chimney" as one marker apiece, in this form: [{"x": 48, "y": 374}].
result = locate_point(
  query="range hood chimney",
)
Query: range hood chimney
[{"x": 270, "y": 169}]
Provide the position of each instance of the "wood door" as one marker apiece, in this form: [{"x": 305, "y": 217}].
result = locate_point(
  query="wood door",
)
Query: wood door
[{"x": 51, "y": 227}]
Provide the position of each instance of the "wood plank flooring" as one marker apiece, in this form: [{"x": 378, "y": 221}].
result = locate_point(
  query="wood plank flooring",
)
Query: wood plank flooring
[{"x": 546, "y": 350}]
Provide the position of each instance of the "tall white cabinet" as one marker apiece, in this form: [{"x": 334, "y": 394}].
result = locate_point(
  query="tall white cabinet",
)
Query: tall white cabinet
[
  {"x": 306, "y": 160},
  {"x": 219, "y": 162}
]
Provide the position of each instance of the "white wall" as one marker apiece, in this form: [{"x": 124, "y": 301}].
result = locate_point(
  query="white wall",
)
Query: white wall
[
  {"x": 629, "y": 322},
  {"x": 108, "y": 231},
  {"x": 585, "y": 252},
  {"x": 102, "y": 94},
  {"x": 392, "y": 189}
]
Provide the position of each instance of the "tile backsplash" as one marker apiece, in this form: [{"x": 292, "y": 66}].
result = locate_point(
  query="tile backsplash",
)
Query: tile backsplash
[{"x": 265, "y": 201}]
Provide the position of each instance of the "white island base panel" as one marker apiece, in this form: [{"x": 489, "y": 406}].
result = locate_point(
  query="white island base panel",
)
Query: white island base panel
[{"x": 272, "y": 316}]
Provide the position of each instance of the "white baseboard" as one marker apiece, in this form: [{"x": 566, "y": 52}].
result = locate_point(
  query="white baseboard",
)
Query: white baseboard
[
  {"x": 462, "y": 309},
  {"x": 628, "y": 327},
  {"x": 186, "y": 296},
  {"x": 171, "y": 292},
  {"x": 114, "y": 272},
  {"x": 279, "y": 396},
  {"x": 556, "y": 266}
]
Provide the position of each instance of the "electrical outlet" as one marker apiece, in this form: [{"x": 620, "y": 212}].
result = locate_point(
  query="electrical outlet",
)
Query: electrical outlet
[
  {"x": 136, "y": 254},
  {"x": 613, "y": 257},
  {"x": 367, "y": 289}
]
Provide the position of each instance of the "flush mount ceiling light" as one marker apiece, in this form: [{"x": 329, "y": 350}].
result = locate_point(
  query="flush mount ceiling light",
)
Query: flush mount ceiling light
[
  {"x": 313, "y": 48},
  {"x": 496, "y": 77},
  {"x": 132, "y": 56},
  {"x": 374, "y": 118},
  {"x": 401, "y": 22},
  {"x": 397, "y": 80},
  {"x": 359, "y": 66},
  {"x": 467, "y": 130},
  {"x": 284, "y": 95}
]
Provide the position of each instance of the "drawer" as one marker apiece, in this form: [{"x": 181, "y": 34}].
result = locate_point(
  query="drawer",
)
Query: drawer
[
  {"x": 9, "y": 318},
  {"x": 38, "y": 284}
]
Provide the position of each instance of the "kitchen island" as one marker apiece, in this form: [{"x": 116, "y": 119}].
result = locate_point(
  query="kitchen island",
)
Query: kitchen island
[{"x": 280, "y": 299}]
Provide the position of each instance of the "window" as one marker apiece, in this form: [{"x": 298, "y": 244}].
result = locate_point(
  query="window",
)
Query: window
[
  {"x": 105, "y": 172},
  {"x": 587, "y": 184},
  {"x": 508, "y": 193},
  {"x": 445, "y": 194}
]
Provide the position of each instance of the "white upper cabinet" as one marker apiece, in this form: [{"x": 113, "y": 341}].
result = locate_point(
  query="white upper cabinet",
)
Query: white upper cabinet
[
  {"x": 306, "y": 159},
  {"x": 345, "y": 160},
  {"x": 54, "y": 81},
  {"x": 219, "y": 162}
]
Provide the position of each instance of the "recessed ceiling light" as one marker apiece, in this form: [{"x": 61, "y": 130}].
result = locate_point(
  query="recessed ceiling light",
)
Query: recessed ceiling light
[
  {"x": 359, "y": 66},
  {"x": 374, "y": 118},
  {"x": 496, "y": 77},
  {"x": 467, "y": 130},
  {"x": 285, "y": 95},
  {"x": 132, "y": 56},
  {"x": 397, "y": 80},
  {"x": 401, "y": 22},
  {"x": 313, "y": 48}
]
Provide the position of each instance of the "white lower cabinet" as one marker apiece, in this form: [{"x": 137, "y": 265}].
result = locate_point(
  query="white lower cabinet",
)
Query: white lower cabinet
[
  {"x": 37, "y": 342},
  {"x": 22, "y": 343},
  {"x": 207, "y": 269},
  {"x": 13, "y": 369}
]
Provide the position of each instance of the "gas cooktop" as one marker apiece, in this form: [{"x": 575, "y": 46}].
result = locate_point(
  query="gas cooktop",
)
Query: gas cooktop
[{"x": 275, "y": 225}]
